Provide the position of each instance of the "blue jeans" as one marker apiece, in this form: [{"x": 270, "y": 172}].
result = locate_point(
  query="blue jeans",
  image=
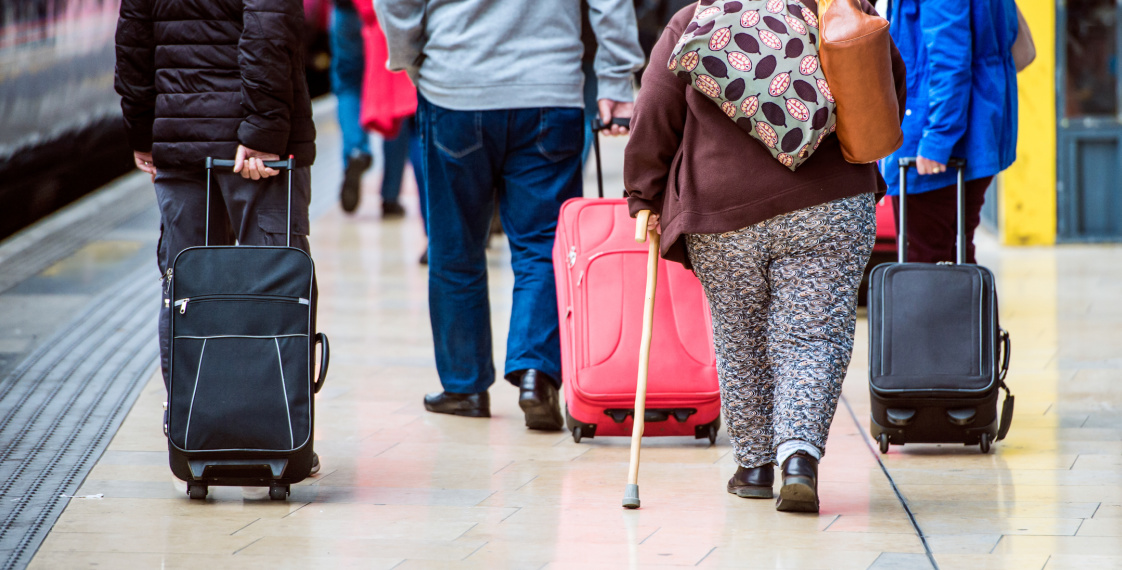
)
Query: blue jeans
[
  {"x": 532, "y": 156},
  {"x": 405, "y": 146},
  {"x": 347, "y": 66}
]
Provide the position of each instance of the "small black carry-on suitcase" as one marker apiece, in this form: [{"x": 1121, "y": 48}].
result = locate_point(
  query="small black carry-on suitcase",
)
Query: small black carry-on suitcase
[
  {"x": 937, "y": 355},
  {"x": 243, "y": 343}
]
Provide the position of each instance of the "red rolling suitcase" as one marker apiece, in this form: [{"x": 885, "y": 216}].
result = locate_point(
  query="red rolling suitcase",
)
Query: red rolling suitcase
[
  {"x": 884, "y": 249},
  {"x": 601, "y": 277}
]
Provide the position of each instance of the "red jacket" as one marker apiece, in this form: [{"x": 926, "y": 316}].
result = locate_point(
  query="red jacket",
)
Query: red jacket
[{"x": 388, "y": 97}]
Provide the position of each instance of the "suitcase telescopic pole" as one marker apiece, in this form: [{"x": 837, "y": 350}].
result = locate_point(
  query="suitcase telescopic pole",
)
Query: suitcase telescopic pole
[{"x": 631, "y": 495}]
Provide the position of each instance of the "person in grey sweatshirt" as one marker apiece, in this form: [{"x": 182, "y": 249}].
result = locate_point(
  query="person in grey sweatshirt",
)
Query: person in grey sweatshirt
[{"x": 500, "y": 106}]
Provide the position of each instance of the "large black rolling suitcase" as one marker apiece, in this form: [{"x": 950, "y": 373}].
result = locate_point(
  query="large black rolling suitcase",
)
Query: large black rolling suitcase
[
  {"x": 937, "y": 354},
  {"x": 243, "y": 343}
]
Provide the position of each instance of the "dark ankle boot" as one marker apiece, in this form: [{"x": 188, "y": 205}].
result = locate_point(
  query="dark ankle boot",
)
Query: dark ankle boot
[
  {"x": 753, "y": 482},
  {"x": 799, "y": 493}
]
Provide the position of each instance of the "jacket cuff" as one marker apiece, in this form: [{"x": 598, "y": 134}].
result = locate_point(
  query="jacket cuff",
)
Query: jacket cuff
[
  {"x": 634, "y": 205},
  {"x": 615, "y": 89},
  {"x": 933, "y": 149},
  {"x": 262, "y": 140},
  {"x": 140, "y": 138}
]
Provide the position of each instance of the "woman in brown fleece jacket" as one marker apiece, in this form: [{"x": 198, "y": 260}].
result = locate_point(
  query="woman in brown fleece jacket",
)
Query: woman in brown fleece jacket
[{"x": 780, "y": 255}]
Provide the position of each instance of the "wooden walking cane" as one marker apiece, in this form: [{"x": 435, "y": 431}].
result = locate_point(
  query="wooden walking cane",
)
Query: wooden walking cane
[{"x": 631, "y": 495}]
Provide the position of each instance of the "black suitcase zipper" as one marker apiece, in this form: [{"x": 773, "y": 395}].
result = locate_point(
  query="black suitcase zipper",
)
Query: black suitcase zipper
[{"x": 182, "y": 303}]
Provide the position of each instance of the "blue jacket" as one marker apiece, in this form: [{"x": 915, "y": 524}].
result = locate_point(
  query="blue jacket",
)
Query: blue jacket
[{"x": 962, "y": 87}]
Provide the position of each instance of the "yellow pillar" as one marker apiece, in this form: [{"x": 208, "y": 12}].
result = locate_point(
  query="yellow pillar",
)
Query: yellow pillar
[{"x": 1027, "y": 190}]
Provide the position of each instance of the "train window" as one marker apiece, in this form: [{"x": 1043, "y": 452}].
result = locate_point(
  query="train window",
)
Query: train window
[{"x": 1092, "y": 58}]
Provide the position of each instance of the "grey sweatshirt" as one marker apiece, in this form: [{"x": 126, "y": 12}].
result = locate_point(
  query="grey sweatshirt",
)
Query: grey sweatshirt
[{"x": 509, "y": 54}]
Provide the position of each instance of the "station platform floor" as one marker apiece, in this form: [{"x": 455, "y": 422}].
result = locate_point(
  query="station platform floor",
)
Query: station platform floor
[{"x": 402, "y": 488}]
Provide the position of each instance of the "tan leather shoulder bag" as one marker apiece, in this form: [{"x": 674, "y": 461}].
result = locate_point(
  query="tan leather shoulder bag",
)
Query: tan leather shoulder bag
[{"x": 856, "y": 54}]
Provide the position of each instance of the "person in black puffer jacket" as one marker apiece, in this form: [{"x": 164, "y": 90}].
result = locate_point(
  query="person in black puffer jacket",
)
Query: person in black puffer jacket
[
  {"x": 198, "y": 78},
  {"x": 222, "y": 79}
]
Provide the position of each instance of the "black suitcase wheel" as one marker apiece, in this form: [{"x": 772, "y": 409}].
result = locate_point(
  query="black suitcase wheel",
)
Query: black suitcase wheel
[
  {"x": 196, "y": 491},
  {"x": 712, "y": 434},
  {"x": 577, "y": 434},
  {"x": 882, "y": 442},
  {"x": 987, "y": 440},
  {"x": 278, "y": 492}
]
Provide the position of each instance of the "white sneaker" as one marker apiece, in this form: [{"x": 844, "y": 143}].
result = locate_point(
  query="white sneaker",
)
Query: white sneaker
[{"x": 315, "y": 463}]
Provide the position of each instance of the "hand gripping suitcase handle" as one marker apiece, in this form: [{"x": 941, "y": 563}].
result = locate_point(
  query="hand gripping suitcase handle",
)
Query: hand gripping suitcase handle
[
  {"x": 288, "y": 165},
  {"x": 598, "y": 126},
  {"x": 324, "y": 358},
  {"x": 901, "y": 232},
  {"x": 223, "y": 163}
]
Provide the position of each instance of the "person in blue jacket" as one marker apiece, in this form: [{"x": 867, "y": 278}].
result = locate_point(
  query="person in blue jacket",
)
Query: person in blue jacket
[{"x": 962, "y": 102}]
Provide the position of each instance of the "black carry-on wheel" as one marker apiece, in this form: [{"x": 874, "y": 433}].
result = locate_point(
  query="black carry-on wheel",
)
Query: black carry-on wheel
[
  {"x": 577, "y": 434},
  {"x": 882, "y": 442},
  {"x": 196, "y": 491},
  {"x": 278, "y": 492},
  {"x": 712, "y": 434},
  {"x": 985, "y": 443}
]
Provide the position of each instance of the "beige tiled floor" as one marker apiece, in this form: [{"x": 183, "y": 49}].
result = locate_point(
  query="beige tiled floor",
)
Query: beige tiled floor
[{"x": 401, "y": 488}]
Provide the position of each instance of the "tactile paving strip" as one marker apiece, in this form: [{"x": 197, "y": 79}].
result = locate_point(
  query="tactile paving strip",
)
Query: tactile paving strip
[
  {"x": 66, "y": 231},
  {"x": 60, "y": 408}
]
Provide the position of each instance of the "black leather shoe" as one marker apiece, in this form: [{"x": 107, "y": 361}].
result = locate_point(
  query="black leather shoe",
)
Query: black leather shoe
[
  {"x": 468, "y": 405},
  {"x": 799, "y": 493},
  {"x": 538, "y": 400},
  {"x": 753, "y": 482},
  {"x": 392, "y": 210},
  {"x": 357, "y": 163}
]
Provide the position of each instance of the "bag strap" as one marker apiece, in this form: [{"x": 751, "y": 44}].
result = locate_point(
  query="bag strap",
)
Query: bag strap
[{"x": 1024, "y": 49}]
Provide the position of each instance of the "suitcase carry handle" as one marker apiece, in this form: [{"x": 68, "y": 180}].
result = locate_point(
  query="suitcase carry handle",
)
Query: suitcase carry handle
[
  {"x": 598, "y": 126},
  {"x": 289, "y": 165},
  {"x": 324, "y": 358},
  {"x": 902, "y": 234},
  {"x": 1007, "y": 405}
]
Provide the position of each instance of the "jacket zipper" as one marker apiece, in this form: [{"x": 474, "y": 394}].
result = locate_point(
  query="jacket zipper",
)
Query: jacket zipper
[
  {"x": 167, "y": 288},
  {"x": 182, "y": 303}
]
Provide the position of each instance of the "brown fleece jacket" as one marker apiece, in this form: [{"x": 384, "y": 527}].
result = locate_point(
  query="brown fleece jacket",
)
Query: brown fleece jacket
[{"x": 687, "y": 162}]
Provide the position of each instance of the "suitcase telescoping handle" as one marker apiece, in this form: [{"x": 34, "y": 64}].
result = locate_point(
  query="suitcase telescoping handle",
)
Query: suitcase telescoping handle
[
  {"x": 598, "y": 126},
  {"x": 289, "y": 165},
  {"x": 631, "y": 493},
  {"x": 902, "y": 233}
]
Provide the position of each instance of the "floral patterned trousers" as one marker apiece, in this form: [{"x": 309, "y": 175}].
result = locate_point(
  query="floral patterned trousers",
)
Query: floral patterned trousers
[{"x": 783, "y": 294}]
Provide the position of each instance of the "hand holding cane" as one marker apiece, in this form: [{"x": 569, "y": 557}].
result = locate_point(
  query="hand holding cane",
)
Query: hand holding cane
[{"x": 631, "y": 495}]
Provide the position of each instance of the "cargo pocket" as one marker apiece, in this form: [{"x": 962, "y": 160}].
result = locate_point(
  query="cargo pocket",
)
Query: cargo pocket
[{"x": 273, "y": 221}]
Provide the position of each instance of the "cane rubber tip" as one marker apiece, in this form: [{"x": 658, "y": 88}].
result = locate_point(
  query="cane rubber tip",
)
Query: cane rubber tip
[{"x": 631, "y": 497}]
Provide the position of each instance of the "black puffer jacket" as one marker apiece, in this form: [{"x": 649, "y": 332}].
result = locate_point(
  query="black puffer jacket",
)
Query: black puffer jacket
[{"x": 198, "y": 77}]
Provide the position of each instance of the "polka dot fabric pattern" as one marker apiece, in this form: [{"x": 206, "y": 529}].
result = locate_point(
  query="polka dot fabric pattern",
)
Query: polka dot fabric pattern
[
  {"x": 758, "y": 61},
  {"x": 783, "y": 295}
]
